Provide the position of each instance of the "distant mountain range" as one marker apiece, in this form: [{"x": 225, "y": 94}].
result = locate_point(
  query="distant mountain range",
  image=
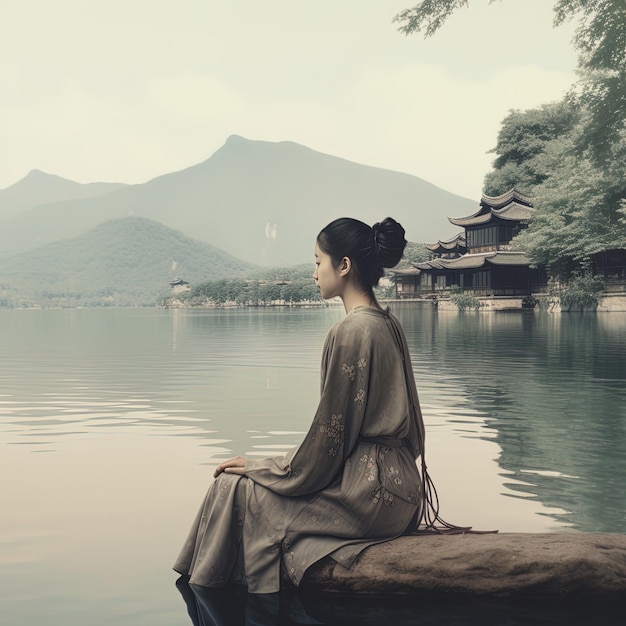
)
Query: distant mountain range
[
  {"x": 259, "y": 201},
  {"x": 126, "y": 261},
  {"x": 40, "y": 188}
]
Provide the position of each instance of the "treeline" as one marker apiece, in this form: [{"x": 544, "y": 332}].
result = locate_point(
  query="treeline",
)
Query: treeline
[
  {"x": 286, "y": 286},
  {"x": 259, "y": 291},
  {"x": 290, "y": 285}
]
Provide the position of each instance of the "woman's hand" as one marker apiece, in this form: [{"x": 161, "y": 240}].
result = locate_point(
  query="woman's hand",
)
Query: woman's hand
[{"x": 236, "y": 465}]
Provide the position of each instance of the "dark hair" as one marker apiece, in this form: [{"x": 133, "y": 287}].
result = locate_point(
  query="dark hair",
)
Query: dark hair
[{"x": 370, "y": 248}]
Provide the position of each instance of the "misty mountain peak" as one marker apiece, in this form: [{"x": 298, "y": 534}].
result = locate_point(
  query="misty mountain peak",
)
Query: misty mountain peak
[
  {"x": 39, "y": 177},
  {"x": 236, "y": 140},
  {"x": 261, "y": 201},
  {"x": 36, "y": 174}
]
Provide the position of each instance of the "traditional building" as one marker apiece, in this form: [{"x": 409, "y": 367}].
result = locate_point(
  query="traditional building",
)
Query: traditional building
[
  {"x": 610, "y": 266},
  {"x": 407, "y": 280},
  {"x": 480, "y": 259},
  {"x": 408, "y": 277},
  {"x": 450, "y": 248},
  {"x": 178, "y": 284}
]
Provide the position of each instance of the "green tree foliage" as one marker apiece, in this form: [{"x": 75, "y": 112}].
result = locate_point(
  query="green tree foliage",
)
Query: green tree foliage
[
  {"x": 580, "y": 206},
  {"x": 416, "y": 252},
  {"x": 428, "y": 16},
  {"x": 522, "y": 140},
  {"x": 278, "y": 286},
  {"x": 463, "y": 300},
  {"x": 581, "y": 292},
  {"x": 600, "y": 40}
]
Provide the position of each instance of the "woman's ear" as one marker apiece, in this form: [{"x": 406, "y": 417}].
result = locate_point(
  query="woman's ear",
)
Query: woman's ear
[{"x": 345, "y": 266}]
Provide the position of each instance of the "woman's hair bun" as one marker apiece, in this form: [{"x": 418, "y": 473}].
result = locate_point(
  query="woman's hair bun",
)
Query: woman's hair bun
[
  {"x": 371, "y": 248},
  {"x": 389, "y": 241}
]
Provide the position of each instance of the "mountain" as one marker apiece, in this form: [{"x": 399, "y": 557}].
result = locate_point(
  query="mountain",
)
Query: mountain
[
  {"x": 260, "y": 201},
  {"x": 38, "y": 188},
  {"x": 122, "y": 261}
]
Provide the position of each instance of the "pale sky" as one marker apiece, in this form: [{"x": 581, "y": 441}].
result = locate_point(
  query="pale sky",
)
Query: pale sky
[{"x": 126, "y": 90}]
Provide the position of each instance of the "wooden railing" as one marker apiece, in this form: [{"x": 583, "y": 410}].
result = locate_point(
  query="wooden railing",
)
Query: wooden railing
[
  {"x": 425, "y": 292},
  {"x": 615, "y": 285}
]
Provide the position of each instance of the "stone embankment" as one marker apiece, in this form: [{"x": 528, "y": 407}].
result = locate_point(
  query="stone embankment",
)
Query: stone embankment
[{"x": 515, "y": 566}]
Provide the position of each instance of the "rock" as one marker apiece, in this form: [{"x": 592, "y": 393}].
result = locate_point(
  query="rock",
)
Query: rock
[{"x": 548, "y": 566}]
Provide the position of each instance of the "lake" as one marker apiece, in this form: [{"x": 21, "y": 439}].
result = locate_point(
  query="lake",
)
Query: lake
[{"x": 112, "y": 420}]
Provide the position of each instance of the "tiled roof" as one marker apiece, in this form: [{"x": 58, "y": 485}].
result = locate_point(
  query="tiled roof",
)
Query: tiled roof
[
  {"x": 509, "y": 258},
  {"x": 429, "y": 265},
  {"x": 512, "y": 195},
  {"x": 513, "y": 211},
  {"x": 474, "y": 261},
  {"x": 448, "y": 244},
  {"x": 410, "y": 270},
  {"x": 178, "y": 281},
  {"x": 511, "y": 205}
]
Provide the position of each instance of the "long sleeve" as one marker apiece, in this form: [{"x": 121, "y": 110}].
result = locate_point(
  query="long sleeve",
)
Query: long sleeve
[
  {"x": 346, "y": 367},
  {"x": 416, "y": 434}
]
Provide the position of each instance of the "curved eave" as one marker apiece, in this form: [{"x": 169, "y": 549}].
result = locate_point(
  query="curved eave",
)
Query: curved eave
[
  {"x": 466, "y": 262},
  {"x": 471, "y": 220},
  {"x": 476, "y": 261},
  {"x": 513, "y": 212},
  {"x": 448, "y": 244},
  {"x": 518, "y": 259},
  {"x": 404, "y": 271},
  {"x": 434, "y": 264},
  {"x": 512, "y": 195},
  {"x": 441, "y": 249},
  {"x": 483, "y": 212}
]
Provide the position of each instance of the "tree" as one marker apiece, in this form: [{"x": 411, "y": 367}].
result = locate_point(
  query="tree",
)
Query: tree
[
  {"x": 522, "y": 139},
  {"x": 580, "y": 206},
  {"x": 416, "y": 252},
  {"x": 600, "y": 39}
]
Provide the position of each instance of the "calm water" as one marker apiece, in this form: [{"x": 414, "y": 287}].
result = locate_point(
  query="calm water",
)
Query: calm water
[{"x": 112, "y": 420}]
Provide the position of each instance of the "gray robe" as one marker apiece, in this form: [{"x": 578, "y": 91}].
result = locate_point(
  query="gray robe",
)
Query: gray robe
[{"x": 352, "y": 482}]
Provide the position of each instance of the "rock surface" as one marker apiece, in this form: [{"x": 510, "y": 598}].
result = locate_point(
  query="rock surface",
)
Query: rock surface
[{"x": 505, "y": 565}]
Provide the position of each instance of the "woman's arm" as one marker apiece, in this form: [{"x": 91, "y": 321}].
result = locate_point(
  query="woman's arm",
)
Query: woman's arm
[
  {"x": 235, "y": 465},
  {"x": 346, "y": 370}
]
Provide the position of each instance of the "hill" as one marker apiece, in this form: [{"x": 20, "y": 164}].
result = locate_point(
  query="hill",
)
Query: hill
[
  {"x": 262, "y": 202},
  {"x": 127, "y": 261},
  {"x": 38, "y": 188}
]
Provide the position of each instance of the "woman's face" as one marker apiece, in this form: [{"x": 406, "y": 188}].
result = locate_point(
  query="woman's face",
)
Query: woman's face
[{"x": 327, "y": 277}]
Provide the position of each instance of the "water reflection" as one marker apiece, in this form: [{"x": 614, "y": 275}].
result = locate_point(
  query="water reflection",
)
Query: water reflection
[
  {"x": 232, "y": 606},
  {"x": 552, "y": 390}
]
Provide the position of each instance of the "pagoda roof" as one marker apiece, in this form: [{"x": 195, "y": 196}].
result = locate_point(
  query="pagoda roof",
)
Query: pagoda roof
[
  {"x": 510, "y": 206},
  {"x": 448, "y": 244},
  {"x": 404, "y": 270},
  {"x": 475, "y": 261},
  {"x": 512, "y": 195}
]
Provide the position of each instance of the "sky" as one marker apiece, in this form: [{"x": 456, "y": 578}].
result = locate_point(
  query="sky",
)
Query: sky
[{"x": 126, "y": 90}]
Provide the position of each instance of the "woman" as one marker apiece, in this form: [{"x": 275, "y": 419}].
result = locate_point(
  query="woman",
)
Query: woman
[{"x": 353, "y": 481}]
